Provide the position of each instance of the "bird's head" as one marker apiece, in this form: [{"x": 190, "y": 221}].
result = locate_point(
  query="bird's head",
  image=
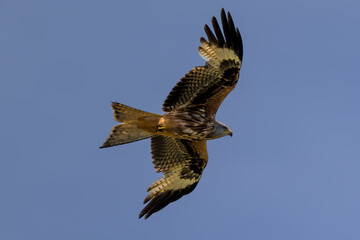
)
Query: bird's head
[{"x": 221, "y": 130}]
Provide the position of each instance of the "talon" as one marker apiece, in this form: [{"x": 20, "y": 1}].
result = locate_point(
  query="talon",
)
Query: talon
[{"x": 160, "y": 128}]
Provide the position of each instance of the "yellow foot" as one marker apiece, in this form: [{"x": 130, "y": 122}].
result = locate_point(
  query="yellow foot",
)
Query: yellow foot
[{"x": 161, "y": 125}]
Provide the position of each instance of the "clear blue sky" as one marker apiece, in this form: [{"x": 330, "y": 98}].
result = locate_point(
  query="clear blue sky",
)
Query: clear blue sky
[{"x": 291, "y": 170}]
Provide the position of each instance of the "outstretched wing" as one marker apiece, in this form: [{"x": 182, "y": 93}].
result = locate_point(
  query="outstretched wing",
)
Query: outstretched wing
[
  {"x": 182, "y": 162},
  {"x": 210, "y": 84}
]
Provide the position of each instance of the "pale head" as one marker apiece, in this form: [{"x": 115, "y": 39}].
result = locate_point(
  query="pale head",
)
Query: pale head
[{"x": 220, "y": 130}]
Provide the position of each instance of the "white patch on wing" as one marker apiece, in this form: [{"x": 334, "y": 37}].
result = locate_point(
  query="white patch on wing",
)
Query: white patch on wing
[
  {"x": 214, "y": 56},
  {"x": 171, "y": 181}
]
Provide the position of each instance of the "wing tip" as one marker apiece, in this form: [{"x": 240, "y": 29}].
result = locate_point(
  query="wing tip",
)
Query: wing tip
[
  {"x": 222, "y": 11},
  {"x": 141, "y": 214},
  {"x": 229, "y": 36},
  {"x": 161, "y": 200}
]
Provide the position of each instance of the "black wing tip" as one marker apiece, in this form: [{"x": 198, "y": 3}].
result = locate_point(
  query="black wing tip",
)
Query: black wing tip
[
  {"x": 156, "y": 204},
  {"x": 213, "y": 19},
  {"x": 229, "y": 37},
  {"x": 142, "y": 214},
  {"x": 222, "y": 11},
  {"x": 163, "y": 199}
]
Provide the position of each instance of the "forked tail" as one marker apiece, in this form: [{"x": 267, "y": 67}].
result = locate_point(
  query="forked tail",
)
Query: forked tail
[{"x": 136, "y": 125}]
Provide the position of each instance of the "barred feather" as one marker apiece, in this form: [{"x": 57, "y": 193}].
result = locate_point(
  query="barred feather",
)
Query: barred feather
[
  {"x": 182, "y": 162},
  {"x": 223, "y": 53}
]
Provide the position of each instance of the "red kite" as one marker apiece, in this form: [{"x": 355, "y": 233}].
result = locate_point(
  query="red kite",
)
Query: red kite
[{"x": 178, "y": 137}]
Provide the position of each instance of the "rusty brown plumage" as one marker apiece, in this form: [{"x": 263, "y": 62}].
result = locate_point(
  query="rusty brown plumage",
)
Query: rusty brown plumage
[{"x": 178, "y": 137}]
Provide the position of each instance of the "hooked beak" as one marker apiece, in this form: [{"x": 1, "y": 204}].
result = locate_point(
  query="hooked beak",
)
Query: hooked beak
[{"x": 230, "y": 133}]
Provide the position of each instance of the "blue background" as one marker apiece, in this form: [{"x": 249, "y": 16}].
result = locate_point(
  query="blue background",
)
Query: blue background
[{"x": 291, "y": 170}]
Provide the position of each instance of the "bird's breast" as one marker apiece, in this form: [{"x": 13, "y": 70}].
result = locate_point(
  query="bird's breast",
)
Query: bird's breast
[{"x": 187, "y": 124}]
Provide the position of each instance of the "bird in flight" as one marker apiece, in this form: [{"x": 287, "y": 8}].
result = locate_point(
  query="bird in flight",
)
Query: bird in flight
[{"x": 178, "y": 137}]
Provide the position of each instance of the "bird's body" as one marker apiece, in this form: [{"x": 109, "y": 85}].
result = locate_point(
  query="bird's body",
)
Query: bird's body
[
  {"x": 193, "y": 123},
  {"x": 178, "y": 137}
]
